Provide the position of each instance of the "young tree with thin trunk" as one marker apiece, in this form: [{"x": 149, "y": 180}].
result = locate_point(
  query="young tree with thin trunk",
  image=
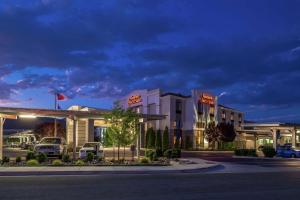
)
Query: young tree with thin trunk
[{"x": 122, "y": 127}]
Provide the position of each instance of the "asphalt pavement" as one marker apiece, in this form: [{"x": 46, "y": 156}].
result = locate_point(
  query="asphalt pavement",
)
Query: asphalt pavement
[
  {"x": 228, "y": 157},
  {"x": 161, "y": 186}
]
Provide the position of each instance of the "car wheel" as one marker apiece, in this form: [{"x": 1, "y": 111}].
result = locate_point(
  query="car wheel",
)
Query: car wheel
[{"x": 293, "y": 156}]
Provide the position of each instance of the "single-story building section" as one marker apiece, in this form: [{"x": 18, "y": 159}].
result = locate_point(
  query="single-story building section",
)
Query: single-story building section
[
  {"x": 80, "y": 120},
  {"x": 254, "y": 135}
]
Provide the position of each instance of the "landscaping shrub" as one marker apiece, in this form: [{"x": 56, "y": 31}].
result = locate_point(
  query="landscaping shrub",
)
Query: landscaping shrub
[
  {"x": 168, "y": 153},
  {"x": 151, "y": 154},
  {"x": 159, "y": 152},
  {"x": 18, "y": 159},
  {"x": 165, "y": 141},
  {"x": 41, "y": 157},
  {"x": 79, "y": 163},
  {"x": 144, "y": 160},
  {"x": 30, "y": 156},
  {"x": 57, "y": 162},
  {"x": 5, "y": 160},
  {"x": 66, "y": 158},
  {"x": 32, "y": 163},
  {"x": 89, "y": 157},
  {"x": 245, "y": 152},
  {"x": 269, "y": 152},
  {"x": 176, "y": 153}
]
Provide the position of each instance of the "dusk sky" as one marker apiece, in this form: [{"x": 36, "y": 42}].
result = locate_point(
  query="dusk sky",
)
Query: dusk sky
[{"x": 95, "y": 51}]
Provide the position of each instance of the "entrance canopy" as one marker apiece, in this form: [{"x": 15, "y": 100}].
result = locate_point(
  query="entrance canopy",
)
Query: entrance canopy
[
  {"x": 74, "y": 115},
  {"x": 14, "y": 113}
]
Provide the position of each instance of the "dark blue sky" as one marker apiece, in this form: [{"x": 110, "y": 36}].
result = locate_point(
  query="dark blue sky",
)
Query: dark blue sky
[{"x": 95, "y": 51}]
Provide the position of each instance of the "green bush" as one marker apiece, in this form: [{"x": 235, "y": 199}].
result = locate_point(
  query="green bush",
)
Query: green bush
[
  {"x": 176, "y": 153},
  {"x": 158, "y": 140},
  {"x": 57, "y": 162},
  {"x": 150, "y": 138},
  {"x": 66, "y": 158},
  {"x": 89, "y": 157},
  {"x": 159, "y": 152},
  {"x": 168, "y": 153},
  {"x": 165, "y": 141},
  {"x": 227, "y": 146},
  {"x": 79, "y": 163},
  {"x": 32, "y": 163},
  {"x": 41, "y": 157},
  {"x": 5, "y": 160},
  {"x": 18, "y": 159},
  {"x": 151, "y": 154},
  {"x": 144, "y": 160},
  {"x": 269, "y": 152},
  {"x": 245, "y": 152},
  {"x": 30, "y": 156}
]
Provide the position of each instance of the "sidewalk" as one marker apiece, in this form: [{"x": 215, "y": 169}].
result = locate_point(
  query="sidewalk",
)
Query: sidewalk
[{"x": 184, "y": 165}]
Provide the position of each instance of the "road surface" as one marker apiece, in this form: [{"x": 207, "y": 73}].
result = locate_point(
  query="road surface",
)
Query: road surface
[{"x": 164, "y": 186}]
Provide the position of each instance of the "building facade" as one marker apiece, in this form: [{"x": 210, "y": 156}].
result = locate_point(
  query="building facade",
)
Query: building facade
[{"x": 187, "y": 116}]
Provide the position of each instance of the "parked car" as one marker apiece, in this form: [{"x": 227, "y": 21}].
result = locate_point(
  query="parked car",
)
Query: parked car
[
  {"x": 287, "y": 151},
  {"x": 51, "y": 146},
  {"x": 95, "y": 147},
  {"x": 23, "y": 140}
]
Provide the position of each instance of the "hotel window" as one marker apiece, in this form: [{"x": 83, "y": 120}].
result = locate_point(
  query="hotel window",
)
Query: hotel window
[
  {"x": 212, "y": 110},
  {"x": 223, "y": 115},
  {"x": 152, "y": 108},
  {"x": 178, "y": 106},
  {"x": 200, "y": 108},
  {"x": 240, "y": 119}
]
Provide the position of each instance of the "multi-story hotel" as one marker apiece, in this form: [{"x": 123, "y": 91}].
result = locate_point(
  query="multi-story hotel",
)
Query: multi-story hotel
[{"x": 186, "y": 115}]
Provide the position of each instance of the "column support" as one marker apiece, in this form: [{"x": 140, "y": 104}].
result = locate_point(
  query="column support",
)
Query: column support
[
  {"x": 138, "y": 150},
  {"x": 293, "y": 137},
  {"x": 275, "y": 138},
  {"x": 74, "y": 137},
  {"x": 1, "y": 137}
]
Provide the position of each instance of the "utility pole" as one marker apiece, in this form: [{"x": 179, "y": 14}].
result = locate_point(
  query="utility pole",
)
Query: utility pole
[{"x": 55, "y": 108}]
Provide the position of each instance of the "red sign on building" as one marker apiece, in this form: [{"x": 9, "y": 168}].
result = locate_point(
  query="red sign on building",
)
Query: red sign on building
[
  {"x": 134, "y": 99},
  {"x": 207, "y": 99}
]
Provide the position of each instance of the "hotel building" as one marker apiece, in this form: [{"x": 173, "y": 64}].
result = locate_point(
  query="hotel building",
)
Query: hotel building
[{"x": 186, "y": 115}]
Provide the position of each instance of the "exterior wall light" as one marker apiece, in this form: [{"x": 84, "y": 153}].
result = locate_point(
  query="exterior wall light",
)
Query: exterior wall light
[{"x": 27, "y": 116}]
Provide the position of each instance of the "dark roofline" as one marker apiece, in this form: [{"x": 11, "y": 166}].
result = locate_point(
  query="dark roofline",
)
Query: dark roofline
[
  {"x": 175, "y": 94},
  {"x": 226, "y": 107}
]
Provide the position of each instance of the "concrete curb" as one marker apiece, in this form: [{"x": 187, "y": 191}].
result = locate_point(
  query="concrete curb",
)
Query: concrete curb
[
  {"x": 99, "y": 170},
  {"x": 265, "y": 158}
]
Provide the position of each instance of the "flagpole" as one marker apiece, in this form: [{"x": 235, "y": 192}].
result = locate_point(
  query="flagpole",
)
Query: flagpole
[{"x": 55, "y": 123}]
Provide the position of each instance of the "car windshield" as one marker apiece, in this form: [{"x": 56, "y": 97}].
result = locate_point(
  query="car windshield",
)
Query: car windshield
[
  {"x": 89, "y": 144},
  {"x": 51, "y": 141}
]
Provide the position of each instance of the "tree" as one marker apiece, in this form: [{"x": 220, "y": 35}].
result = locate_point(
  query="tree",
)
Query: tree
[
  {"x": 226, "y": 132},
  {"x": 122, "y": 130},
  {"x": 150, "y": 138},
  {"x": 47, "y": 130},
  {"x": 158, "y": 142},
  {"x": 165, "y": 142},
  {"x": 212, "y": 133}
]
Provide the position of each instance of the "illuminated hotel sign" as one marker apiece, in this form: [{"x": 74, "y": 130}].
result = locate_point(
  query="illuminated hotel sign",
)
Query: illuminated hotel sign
[
  {"x": 134, "y": 99},
  {"x": 207, "y": 99}
]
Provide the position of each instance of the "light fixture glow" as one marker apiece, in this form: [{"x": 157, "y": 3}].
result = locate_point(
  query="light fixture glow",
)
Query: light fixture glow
[{"x": 27, "y": 116}]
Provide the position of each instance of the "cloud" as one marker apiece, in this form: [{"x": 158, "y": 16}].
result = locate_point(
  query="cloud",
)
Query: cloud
[{"x": 107, "y": 48}]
